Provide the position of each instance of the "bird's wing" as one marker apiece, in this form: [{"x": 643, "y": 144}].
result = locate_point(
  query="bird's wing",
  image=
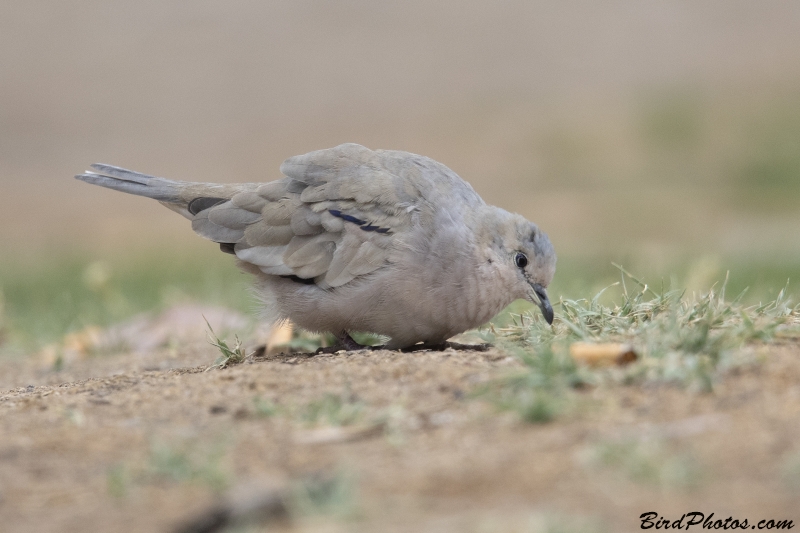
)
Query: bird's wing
[{"x": 336, "y": 214}]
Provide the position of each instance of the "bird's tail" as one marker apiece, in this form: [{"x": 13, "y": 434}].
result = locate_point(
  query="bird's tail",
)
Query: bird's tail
[
  {"x": 124, "y": 180},
  {"x": 185, "y": 197}
]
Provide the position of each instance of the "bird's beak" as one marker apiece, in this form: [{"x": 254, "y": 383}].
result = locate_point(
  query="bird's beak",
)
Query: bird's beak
[{"x": 543, "y": 302}]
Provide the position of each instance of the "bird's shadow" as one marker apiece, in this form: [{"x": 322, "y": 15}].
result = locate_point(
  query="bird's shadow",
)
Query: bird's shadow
[{"x": 422, "y": 347}]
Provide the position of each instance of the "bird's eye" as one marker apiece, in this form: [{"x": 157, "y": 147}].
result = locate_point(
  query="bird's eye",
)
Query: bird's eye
[{"x": 521, "y": 260}]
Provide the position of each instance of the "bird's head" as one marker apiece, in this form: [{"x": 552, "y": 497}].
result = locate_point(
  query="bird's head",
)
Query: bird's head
[{"x": 526, "y": 259}]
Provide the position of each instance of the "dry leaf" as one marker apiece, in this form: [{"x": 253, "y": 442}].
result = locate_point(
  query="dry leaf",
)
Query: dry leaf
[{"x": 602, "y": 354}]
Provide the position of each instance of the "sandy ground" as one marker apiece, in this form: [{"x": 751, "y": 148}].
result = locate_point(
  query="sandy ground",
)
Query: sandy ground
[{"x": 83, "y": 449}]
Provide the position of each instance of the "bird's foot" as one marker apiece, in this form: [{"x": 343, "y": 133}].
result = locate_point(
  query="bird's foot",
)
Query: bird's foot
[{"x": 346, "y": 342}]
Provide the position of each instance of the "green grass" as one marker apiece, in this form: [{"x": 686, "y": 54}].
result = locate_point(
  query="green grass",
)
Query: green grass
[{"x": 681, "y": 337}]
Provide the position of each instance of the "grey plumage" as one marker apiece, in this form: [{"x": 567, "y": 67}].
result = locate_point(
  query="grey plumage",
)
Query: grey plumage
[{"x": 358, "y": 240}]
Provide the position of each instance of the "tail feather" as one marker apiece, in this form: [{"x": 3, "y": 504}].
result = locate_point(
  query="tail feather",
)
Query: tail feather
[
  {"x": 187, "y": 198},
  {"x": 128, "y": 181}
]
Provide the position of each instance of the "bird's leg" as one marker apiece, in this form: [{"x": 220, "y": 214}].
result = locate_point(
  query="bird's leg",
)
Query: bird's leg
[{"x": 349, "y": 344}]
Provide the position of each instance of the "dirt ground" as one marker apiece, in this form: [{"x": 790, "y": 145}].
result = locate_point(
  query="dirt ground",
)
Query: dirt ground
[{"x": 152, "y": 442}]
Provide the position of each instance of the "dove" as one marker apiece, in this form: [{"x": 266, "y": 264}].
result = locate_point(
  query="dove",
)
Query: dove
[{"x": 358, "y": 240}]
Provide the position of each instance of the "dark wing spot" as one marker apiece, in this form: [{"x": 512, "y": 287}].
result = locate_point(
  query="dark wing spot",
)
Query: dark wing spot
[
  {"x": 298, "y": 279},
  {"x": 376, "y": 229},
  {"x": 203, "y": 203},
  {"x": 227, "y": 247},
  {"x": 354, "y": 220},
  {"x": 348, "y": 218}
]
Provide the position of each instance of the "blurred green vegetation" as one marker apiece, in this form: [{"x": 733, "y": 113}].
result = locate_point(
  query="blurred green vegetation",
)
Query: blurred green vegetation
[
  {"x": 742, "y": 143},
  {"x": 45, "y": 298},
  {"x": 745, "y": 145}
]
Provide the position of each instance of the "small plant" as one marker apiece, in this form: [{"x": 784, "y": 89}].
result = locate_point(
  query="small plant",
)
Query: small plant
[{"x": 229, "y": 356}]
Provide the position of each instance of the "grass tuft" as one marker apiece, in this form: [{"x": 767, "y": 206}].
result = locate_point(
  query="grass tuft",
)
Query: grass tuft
[
  {"x": 229, "y": 356},
  {"x": 681, "y": 339}
]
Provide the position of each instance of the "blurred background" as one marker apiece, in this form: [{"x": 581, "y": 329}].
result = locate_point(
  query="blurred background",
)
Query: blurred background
[{"x": 664, "y": 136}]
